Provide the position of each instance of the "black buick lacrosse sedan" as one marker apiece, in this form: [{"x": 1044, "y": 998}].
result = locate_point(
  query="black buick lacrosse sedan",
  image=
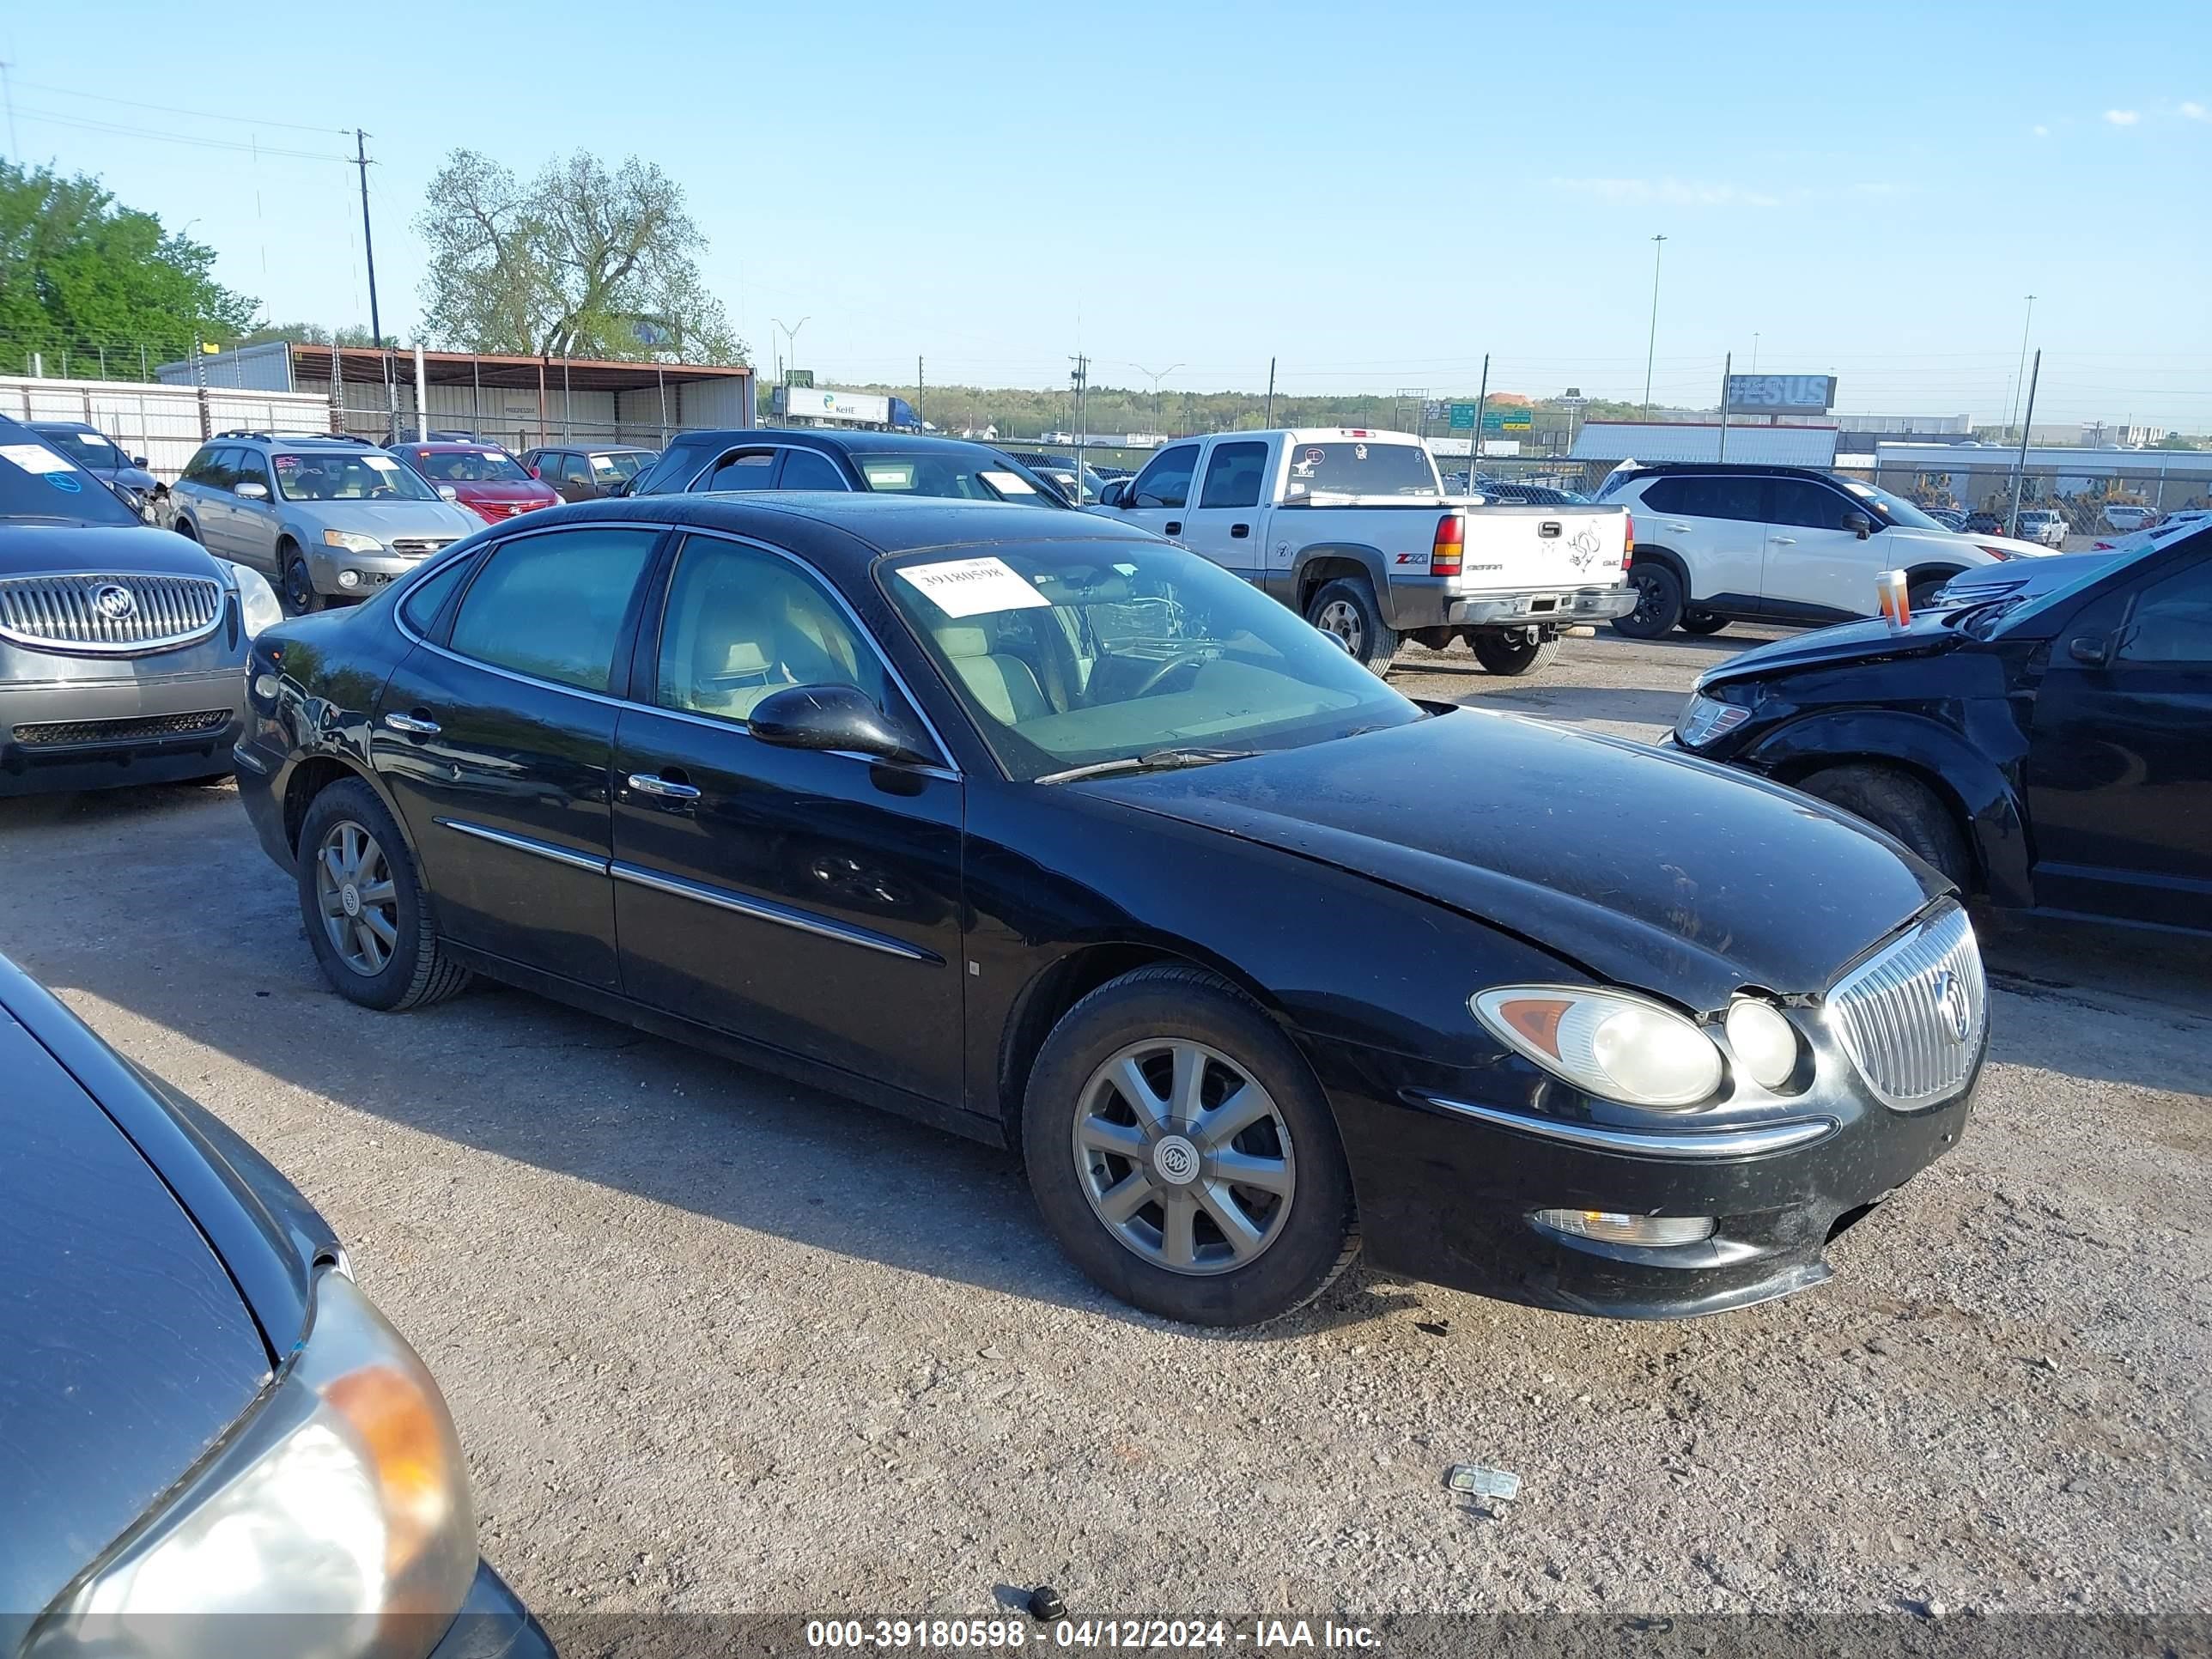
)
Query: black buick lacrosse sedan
[{"x": 1042, "y": 829}]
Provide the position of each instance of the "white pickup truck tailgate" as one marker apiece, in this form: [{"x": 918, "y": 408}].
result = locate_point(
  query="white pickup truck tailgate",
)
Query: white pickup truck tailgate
[{"x": 1522, "y": 548}]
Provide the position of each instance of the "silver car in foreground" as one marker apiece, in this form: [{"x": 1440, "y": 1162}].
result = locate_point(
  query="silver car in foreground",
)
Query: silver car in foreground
[
  {"x": 122, "y": 647},
  {"x": 324, "y": 517}
]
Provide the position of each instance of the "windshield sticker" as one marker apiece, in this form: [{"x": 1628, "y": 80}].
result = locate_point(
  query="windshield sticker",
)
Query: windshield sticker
[
  {"x": 63, "y": 482},
  {"x": 382, "y": 463},
  {"x": 34, "y": 458},
  {"x": 888, "y": 478},
  {"x": 1008, "y": 483},
  {"x": 969, "y": 587}
]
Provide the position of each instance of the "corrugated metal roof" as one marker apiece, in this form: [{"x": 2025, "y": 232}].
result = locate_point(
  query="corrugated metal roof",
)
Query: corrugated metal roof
[
  {"x": 2003, "y": 458},
  {"x": 1686, "y": 440}
]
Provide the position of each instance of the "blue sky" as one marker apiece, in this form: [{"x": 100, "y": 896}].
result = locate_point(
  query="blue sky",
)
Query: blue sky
[{"x": 1374, "y": 194}]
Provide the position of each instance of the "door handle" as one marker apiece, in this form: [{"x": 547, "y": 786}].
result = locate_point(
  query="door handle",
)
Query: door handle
[
  {"x": 1175, "y": 526},
  {"x": 415, "y": 726},
  {"x": 665, "y": 787},
  {"x": 1683, "y": 528},
  {"x": 1783, "y": 541},
  {"x": 1239, "y": 532}
]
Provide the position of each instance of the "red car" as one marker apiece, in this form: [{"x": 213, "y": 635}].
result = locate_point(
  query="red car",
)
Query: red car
[{"x": 481, "y": 476}]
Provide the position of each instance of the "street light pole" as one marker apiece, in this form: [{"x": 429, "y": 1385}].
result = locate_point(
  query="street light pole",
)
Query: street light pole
[
  {"x": 1156, "y": 379},
  {"x": 2019, "y": 373},
  {"x": 1652, "y": 347},
  {"x": 791, "y": 339}
]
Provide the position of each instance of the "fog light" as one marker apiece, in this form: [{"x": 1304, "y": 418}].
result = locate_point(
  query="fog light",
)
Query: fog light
[
  {"x": 1765, "y": 1042},
  {"x": 348, "y": 578},
  {"x": 1608, "y": 1228}
]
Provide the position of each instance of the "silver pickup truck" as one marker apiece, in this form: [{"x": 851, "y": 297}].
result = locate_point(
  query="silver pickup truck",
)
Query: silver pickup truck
[{"x": 1352, "y": 529}]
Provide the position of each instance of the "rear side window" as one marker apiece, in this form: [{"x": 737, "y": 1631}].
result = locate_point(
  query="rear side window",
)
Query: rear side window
[
  {"x": 743, "y": 469},
  {"x": 1233, "y": 472},
  {"x": 805, "y": 470},
  {"x": 1165, "y": 481},
  {"x": 1724, "y": 497},
  {"x": 428, "y": 596},
  {"x": 552, "y": 605}
]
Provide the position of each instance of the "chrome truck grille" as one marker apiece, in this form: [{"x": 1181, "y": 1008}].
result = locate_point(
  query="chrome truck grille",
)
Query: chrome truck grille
[
  {"x": 119, "y": 614},
  {"x": 1913, "y": 1018}
]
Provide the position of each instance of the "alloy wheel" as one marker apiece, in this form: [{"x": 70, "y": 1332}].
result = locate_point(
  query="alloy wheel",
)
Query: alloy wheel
[
  {"x": 1185, "y": 1158},
  {"x": 1341, "y": 618},
  {"x": 1647, "y": 599},
  {"x": 360, "y": 905}
]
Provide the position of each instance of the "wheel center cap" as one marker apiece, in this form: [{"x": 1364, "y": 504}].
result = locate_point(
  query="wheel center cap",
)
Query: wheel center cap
[
  {"x": 350, "y": 897},
  {"x": 1176, "y": 1161}
]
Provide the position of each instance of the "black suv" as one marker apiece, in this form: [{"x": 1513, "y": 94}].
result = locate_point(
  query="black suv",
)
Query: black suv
[
  {"x": 811, "y": 458},
  {"x": 2046, "y": 746}
]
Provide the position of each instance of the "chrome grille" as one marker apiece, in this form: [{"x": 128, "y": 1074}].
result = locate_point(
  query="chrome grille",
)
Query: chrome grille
[
  {"x": 422, "y": 548},
  {"x": 1913, "y": 1018},
  {"x": 81, "y": 611}
]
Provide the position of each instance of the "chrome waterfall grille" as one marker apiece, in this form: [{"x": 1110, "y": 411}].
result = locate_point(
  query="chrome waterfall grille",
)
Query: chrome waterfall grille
[
  {"x": 1913, "y": 1018},
  {"x": 118, "y": 613}
]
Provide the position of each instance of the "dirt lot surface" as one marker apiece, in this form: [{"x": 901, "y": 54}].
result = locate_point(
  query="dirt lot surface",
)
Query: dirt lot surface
[{"x": 716, "y": 1344}]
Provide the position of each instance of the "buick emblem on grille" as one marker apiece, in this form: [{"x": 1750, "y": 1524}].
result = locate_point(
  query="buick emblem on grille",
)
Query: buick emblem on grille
[
  {"x": 114, "y": 601},
  {"x": 1951, "y": 1002}
]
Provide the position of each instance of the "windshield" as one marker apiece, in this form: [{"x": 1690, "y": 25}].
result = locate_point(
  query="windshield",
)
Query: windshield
[
  {"x": 337, "y": 476},
  {"x": 469, "y": 466},
  {"x": 1895, "y": 508},
  {"x": 956, "y": 476},
  {"x": 1071, "y": 654},
  {"x": 623, "y": 464},
  {"x": 85, "y": 448},
  {"x": 1354, "y": 466},
  {"x": 36, "y": 483}
]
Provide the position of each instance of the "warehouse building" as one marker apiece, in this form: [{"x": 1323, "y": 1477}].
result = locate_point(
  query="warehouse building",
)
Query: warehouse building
[{"x": 521, "y": 402}]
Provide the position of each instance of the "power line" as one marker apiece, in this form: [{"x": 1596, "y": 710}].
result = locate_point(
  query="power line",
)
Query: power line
[
  {"x": 118, "y": 129},
  {"x": 175, "y": 109}
]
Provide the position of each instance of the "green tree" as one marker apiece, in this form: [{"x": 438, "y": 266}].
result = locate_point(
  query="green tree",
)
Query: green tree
[
  {"x": 314, "y": 334},
  {"x": 578, "y": 261},
  {"x": 78, "y": 272}
]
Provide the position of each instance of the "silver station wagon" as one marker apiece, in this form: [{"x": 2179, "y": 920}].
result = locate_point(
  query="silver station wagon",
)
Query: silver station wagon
[{"x": 324, "y": 517}]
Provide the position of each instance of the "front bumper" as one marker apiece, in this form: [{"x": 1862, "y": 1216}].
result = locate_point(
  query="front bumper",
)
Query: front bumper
[
  {"x": 112, "y": 734},
  {"x": 370, "y": 570},
  {"x": 1564, "y": 608},
  {"x": 1450, "y": 1171},
  {"x": 493, "y": 1624}
]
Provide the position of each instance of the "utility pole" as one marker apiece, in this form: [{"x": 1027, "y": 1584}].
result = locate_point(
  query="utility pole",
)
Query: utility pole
[
  {"x": 1658, "y": 248},
  {"x": 367, "y": 244},
  {"x": 2026, "y": 324},
  {"x": 2020, "y": 467},
  {"x": 1474, "y": 438},
  {"x": 1270, "y": 421},
  {"x": 1080, "y": 378},
  {"x": 917, "y": 391}
]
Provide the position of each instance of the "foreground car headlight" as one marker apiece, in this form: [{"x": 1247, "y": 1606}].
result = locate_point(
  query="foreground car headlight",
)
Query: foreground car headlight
[
  {"x": 258, "y": 605},
  {"x": 1704, "y": 719},
  {"x": 352, "y": 540},
  {"x": 1608, "y": 1043},
  {"x": 341, "y": 1502}
]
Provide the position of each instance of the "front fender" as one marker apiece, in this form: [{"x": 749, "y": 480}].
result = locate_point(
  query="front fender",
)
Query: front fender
[{"x": 1986, "y": 791}]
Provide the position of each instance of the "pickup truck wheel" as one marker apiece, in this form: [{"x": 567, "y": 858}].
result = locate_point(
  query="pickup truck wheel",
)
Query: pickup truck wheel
[
  {"x": 1518, "y": 651},
  {"x": 1702, "y": 622},
  {"x": 1183, "y": 1153},
  {"x": 1908, "y": 809},
  {"x": 1658, "y": 602},
  {"x": 1347, "y": 608}
]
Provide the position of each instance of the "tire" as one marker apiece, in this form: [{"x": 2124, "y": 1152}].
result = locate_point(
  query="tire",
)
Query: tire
[
  {"x": 1704, "y": 622},
  {"x": 409, "y": 970},
  {"x": 301, "y": 599},
  {"x": 1514, "y": 653},
  {"x": 1347, "y": 608},
  {"x": 1922, "y": 594},
  {"x": 1907, "y": 808},
  {"x": 1298, "y": 1234},
  {"x": 1658, "y": 602}
]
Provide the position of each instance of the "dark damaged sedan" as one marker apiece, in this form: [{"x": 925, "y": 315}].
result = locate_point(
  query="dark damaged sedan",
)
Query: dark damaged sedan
[
  {"x": 212, "y": 1445},
  {"x": 1037, "y": 828}
]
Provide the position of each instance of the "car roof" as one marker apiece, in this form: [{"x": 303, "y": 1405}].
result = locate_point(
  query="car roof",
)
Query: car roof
[
  {"x": 457, "y": 445},
  {"x": 61, "y": 425},
  {"x": 854, "y": 443},
  {"x": 1643, "y": 469}
]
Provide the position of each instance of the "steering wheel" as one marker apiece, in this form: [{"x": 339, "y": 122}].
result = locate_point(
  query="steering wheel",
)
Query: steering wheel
[{"x": 1186, "y": 658}]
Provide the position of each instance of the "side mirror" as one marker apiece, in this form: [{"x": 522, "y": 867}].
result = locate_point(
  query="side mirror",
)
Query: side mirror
[
  {"x": 1111, "y": 496},
  {"x": 828, "y": 717},
  {"x": 620, "y": 487},
  {"x": 2094, "y": 649},
  {"x": 1859, "y": 524},
  {"x": 138, "y": 461},
  {"x": 447, "y": 493},
  {"x": 247, "y": 490},
  {"x": 535, "y": 473}
]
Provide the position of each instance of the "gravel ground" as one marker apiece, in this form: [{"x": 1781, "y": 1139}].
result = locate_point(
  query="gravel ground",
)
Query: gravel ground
[{"x": 719, "y": 1345}]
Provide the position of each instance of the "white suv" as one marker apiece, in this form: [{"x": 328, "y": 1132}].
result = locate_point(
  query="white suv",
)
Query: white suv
[{"x": 1719, "y": 543}]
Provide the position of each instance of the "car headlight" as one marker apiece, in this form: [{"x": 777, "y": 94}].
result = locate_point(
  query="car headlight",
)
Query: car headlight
[
  {"x": 341, "y": 1501},
  {"x": 352, "y": 540},
  {"x": 1608, "y": 1043},
  {"x": 258, "y": 605},
  {"x": 1704, "y": 719}
]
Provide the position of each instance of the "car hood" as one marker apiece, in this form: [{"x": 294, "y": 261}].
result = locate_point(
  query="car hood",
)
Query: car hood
[
  {"x": 1651, "y": 870},
  {"x": 1873, "y": 640},
  {"x": 127, "y": 1348},
  {"x": 29, "y": 548},
  {"x": 2012, "y": 544},
  {"x": 392, "y": 520},
  {"x": 2042, "y": 576},
  {"x": 519, "y": 490}
]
